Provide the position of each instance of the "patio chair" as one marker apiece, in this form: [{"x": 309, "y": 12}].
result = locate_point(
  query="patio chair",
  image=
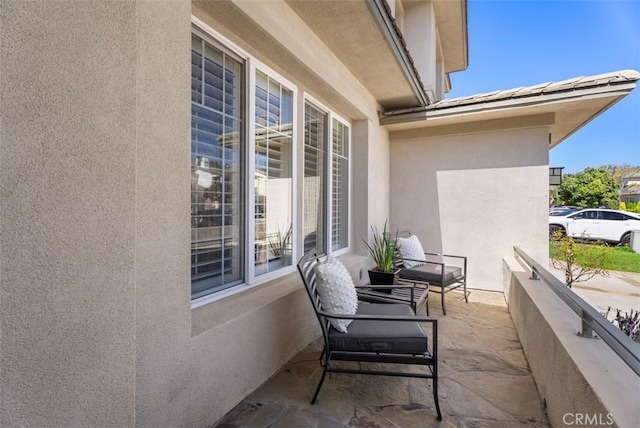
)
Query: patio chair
[
  {"x": 441, "y": 272},
  {"x": 388, "y": 333}
]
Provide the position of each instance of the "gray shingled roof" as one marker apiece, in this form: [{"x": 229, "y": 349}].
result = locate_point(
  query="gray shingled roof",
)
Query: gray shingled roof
[{"x": 540, "y": 90}]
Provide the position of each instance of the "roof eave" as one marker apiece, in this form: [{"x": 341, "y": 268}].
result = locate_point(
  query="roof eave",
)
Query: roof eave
[
  {"x": 414, "y": 115},
  {"x": 382, "y": 16}
]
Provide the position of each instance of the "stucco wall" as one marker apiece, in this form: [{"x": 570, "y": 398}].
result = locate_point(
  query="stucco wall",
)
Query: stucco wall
[
  {"x": 582, "y": 381},
  {"x": 67, "y": 229},
  {"x": 475, "y": 195},
  {"x": 96, "y": 318}
]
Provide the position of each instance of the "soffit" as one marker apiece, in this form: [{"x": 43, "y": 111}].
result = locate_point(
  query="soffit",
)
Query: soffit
[
  {"x": 265, "y": 40},
  {"x": 573, "y": 103},
  {"x": 451, "y": 18},
  {"x": 350, "y": 30}
]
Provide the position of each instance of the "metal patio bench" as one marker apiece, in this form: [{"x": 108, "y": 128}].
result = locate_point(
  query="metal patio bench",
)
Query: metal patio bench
[{"x": 388, "y": 333}]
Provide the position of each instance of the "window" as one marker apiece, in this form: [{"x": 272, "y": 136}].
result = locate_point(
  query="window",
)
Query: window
[
  {"x": 273, "y": 174},
  {"x": 340, "y": 187},
  {"x": 612, "y": 215},
  {"x": 217, "y": 168},
  {"x": 590, "y": 215},
  {"x": 326, "y": 172},
  {"x": 315, "y": 148},
  {"x": 243, "y": 180}
]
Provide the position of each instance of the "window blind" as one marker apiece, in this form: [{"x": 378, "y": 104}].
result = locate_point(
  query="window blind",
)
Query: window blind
[{"x": 216, "y": 169}]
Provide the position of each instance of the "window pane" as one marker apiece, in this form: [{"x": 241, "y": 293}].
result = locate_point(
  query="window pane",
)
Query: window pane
[
  {"x": 273, "y": 176},
  {"x": 340, "y": 187},
  {"x": 314, "y": 179},
  {"x": 611, "y": 215},
  {"x": 217, "y": 248}
]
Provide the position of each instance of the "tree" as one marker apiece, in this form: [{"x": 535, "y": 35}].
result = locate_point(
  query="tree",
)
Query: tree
[
  {"x": 578, "y": 265},
  {"x": 620, "y": 172},
  {"x": 591, "y": 188}
]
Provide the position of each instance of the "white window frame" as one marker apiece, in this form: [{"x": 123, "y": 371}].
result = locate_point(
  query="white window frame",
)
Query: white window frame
[
  {"x": 251, "y": 66},
  {"x": 331, "y": 115},
  {"x": 254, "y": 67},
  {"x": 343, "y": 121}
]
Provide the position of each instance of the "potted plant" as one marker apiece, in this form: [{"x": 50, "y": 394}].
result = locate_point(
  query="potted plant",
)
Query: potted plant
[
  {"x": 383, "y": 253},
  {"x": 280, "y": 245}
]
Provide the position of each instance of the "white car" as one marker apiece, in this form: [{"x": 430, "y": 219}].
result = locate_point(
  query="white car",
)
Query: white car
[{"x": 597, "y": 224}]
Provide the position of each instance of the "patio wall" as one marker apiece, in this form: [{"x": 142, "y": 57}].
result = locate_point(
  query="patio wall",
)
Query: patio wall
[
  {"x": 96, "y": 317},
  {"x": 579, "y": 379},
  {"x": 70, "y": 119},
  {"x": 473, "y": 194}
]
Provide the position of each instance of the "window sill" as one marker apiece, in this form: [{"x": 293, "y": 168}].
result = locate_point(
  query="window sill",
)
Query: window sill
[{"x": 211, "y": 311}]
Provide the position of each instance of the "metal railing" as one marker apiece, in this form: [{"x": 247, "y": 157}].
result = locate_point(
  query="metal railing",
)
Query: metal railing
[{"x": 591, "y": 320}]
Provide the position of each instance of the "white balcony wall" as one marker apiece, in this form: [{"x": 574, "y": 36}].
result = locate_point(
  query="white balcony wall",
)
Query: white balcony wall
[
  {"x": 582, "y": 381},
  {"x": 475, "y": 195}
]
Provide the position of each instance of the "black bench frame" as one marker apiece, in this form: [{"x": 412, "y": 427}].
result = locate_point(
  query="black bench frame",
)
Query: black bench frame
[{"x": 306, "y": 267}]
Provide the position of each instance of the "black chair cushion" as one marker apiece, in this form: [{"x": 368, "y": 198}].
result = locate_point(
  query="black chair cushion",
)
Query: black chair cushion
[
  {"x": 401, "y": 337},
  {"x": 431, "y": 273}
]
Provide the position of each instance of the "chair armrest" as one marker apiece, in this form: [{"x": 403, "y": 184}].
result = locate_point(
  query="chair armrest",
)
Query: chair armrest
[
  {"x": 422, "y": 261},
  {"x": 446, "y": 255},
  {"x": 463, "y": 258}
]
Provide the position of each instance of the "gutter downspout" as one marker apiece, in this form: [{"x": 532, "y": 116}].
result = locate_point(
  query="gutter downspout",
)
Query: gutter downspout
[{"x": 387, "y": 26}]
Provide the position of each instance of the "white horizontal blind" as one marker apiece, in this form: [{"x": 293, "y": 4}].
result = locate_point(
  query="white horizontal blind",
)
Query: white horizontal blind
[
  {"x": 315, "y": 142},
  {"x": 340, "y": 186},
  {"x": 273, "y": 174},
  {"x": 217, "y": 198}
]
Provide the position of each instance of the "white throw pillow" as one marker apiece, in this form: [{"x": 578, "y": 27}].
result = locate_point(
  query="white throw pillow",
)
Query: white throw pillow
[
  {"x": 336, "y": 291},
  {"x": 410, "y": 248}
]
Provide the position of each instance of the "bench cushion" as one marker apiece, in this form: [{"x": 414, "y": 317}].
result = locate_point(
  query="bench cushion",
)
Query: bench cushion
[
  {"x": 402, "y": 337},
  {"x": 431, "y": 273}
]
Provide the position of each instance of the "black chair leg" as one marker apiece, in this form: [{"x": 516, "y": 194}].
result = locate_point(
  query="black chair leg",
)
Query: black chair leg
[
  {"x": 435, "y": 396},
  {"x": 324, "y": 373},
  {"x": 464, "y": 287},
  {"x": 442, "y": 293}
]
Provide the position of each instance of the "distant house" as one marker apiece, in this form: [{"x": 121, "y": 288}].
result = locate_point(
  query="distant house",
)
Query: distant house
[
  {"x": 142, "y": 279},
  {"x": 630, "y": 191}
]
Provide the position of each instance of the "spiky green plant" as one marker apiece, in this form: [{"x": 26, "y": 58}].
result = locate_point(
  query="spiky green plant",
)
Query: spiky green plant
[
  {"x": 383, "y": 250},
  {"x": 282, "y": 241}
]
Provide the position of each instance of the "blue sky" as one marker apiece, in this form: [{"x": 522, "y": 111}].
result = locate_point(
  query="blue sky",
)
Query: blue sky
[{"x": 515, "y": 43}]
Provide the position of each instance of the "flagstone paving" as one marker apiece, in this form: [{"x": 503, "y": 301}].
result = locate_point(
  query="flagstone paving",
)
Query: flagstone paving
[{"x": 484, "y": 382}]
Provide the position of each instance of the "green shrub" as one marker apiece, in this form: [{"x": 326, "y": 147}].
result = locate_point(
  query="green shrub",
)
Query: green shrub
[
  {"x": 631, "y": 206},
  {"x": 623, "y": 206}
]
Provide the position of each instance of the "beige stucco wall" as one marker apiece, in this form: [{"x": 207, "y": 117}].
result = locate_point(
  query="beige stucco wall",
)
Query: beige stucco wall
[
  {"x": 96, "y": 318},
  {"x": 579, "y": 379},
  {"x": 68, "y": 222},
  {"x": 476, "y": 194}
]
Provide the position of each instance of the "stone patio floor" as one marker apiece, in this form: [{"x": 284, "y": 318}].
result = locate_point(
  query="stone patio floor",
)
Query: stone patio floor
[{"x": 485, "y": 381}]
